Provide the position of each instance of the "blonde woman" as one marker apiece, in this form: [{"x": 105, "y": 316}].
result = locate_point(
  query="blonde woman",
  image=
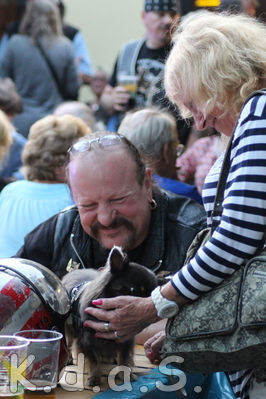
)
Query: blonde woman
[
  {"x": 215, "y": 64},
  {"x": 26, "y": 203}
]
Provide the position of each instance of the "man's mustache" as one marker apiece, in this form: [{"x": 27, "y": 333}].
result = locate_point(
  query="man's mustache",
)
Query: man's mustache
[{"x": 117, "y": 222}]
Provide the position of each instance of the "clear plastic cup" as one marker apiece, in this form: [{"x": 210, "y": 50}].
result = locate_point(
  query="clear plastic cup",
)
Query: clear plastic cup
[
  {"x": 13, "y": 353},
  {"x": 42, "y": 365}
]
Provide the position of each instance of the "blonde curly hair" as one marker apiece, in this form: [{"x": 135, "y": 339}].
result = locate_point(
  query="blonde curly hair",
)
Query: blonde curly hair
[
  {"x": 217, "y": 60},
  {"x": 48, "y": 142}
]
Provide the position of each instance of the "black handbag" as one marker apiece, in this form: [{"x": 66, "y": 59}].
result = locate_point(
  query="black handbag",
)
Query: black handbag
[{"x": 225, "y": 329}]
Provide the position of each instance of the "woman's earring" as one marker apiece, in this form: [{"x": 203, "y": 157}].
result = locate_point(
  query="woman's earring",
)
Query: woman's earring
[{"x": 153, "y": 204}]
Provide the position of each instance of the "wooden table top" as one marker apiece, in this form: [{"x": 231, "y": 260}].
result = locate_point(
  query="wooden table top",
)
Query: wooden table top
[{"x": 73, "y": 382}]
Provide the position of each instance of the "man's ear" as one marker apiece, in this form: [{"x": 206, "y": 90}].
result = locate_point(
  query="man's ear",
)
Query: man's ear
[
  {"x": 143, "y": 14},
  {"x": 148, "y": 182}
]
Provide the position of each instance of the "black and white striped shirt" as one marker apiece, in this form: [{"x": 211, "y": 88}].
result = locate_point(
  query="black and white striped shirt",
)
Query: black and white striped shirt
[{"x": 243, "y": 221}]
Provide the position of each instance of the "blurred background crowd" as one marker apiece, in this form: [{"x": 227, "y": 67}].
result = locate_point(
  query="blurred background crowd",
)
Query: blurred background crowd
[{"x": 102, "y": 63}]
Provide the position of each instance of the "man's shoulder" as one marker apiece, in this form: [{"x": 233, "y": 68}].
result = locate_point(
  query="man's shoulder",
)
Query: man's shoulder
[
  {"x": 66, "y": 216},
  {"x": 184, "y": 210},
  {"x": 18, "y": 40},
  {"x": 58, "y": 224},
  {"x": 132, "y": 44}
]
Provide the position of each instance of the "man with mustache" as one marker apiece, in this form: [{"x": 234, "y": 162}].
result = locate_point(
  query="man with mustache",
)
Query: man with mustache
[
  {"x": 116, "y": 203},
  {"x": 143, "y": 58}
]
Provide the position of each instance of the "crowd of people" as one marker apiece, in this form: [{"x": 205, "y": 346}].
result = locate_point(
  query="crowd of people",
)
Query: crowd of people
[{"x": 125, "y": 169}]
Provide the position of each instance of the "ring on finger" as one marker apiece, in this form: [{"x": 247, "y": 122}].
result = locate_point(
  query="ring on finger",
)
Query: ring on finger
[
  {"x": 106, "y": 326},
  {"x": 116, "y": 335}
]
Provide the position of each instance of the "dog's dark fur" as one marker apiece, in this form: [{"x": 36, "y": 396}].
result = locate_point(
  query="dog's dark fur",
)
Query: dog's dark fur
[{"x": 119, "y": 277}]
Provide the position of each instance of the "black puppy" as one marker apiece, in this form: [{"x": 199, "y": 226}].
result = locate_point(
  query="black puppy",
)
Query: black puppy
[{"x": 119, "y": 277}]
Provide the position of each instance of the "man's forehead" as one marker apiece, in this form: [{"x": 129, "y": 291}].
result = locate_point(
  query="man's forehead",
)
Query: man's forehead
[{"x": 102, "y": 159}]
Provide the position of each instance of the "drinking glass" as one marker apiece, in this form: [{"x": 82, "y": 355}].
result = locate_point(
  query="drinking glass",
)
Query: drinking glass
[
  {"x": 42, "y": 365},
  {"x": 13, "y": 353}
]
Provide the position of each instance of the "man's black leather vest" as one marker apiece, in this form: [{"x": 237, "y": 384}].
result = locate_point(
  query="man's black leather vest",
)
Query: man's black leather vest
[{"x": 174, "y": 224}]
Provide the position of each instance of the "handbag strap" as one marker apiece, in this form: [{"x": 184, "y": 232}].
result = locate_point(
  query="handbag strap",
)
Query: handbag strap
[
  {"x": 52, "y": 70},
  {"x": 218, "y": 208}
]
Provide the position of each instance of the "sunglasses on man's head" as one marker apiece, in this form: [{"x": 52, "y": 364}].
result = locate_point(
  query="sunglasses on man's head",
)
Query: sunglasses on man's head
[{"x": 103, "y": 141}]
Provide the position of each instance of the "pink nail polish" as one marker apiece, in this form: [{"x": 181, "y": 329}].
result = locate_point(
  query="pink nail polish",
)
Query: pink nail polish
[
  {"x": 97, "y": 302},
  {"x": 96, "y": 335}
]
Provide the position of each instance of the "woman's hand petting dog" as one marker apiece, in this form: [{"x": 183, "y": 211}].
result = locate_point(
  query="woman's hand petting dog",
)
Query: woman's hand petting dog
[{"x": 117, "y": 316}]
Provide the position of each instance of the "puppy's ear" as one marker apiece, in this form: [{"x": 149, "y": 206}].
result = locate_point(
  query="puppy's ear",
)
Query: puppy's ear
[{"x": 117, "y": 259}]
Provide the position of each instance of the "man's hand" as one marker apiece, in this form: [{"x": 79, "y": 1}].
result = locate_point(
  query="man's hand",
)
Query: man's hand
[
  {"x": 121, "y": 317},
  {"x": 115, "y": 99},
  {"x": 120, "y": 98}
]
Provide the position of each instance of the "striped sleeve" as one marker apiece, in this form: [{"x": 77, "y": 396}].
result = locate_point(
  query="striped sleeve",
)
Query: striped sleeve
[{"x": 242, "y": 225}]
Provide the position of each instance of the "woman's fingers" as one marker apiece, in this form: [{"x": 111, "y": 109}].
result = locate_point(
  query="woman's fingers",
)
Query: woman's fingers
[{"x": 126, "y": 314}]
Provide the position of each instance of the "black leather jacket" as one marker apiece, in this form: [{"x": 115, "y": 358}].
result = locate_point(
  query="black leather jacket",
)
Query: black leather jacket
[{"x": 60, "y": 243}]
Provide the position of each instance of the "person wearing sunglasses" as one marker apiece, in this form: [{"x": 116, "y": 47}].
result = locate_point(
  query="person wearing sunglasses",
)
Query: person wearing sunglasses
[{"x": 115, "y": 204}]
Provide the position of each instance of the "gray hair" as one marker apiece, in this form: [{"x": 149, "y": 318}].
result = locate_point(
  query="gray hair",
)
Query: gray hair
[
  {"x": 149, "y": 129},
  {"x": 41, "y": 19},
  {"x": 78, "y": 109}
]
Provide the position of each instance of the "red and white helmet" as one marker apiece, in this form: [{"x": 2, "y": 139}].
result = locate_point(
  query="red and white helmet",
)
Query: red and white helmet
[{"x": 31, "y": 297}]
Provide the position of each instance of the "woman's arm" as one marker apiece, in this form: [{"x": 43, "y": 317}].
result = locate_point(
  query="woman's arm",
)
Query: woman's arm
[{"x": 242, "y": 225}]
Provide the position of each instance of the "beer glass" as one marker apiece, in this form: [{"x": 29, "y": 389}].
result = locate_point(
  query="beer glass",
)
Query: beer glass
[
  {"x": 42, "y": 365},
  {"x": 13, "y": 353},
  {"x": 129, "y": 82}
]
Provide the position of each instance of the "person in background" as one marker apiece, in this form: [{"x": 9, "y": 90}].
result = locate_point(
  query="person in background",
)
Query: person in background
[
  {"x": 97, "y": 85},
  {"x": 250, "y": 7},
  {"x": 81, "y": 53},
  {"x": 78, "y": 109},
  {"x": 5, "y": 143},
  {"x": 196, "y": 161},
  {"x": 208, "y": 48},
  {"x": 144, "y": 60},
  {"x": 11, "y": 104},
  {"x": 154, "y": 133},
  {"x": 232, "y": 6},
  {"x": 26, "y": 203},
  {"x": 247, "y": 7},
  {"x": 24, "y": 62},
  {"x": 98, "y": 82}
]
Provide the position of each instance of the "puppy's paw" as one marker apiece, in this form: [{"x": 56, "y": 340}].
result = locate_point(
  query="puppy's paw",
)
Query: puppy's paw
[
  {"x": 122, "y": 377},
  {"x": 94, "y": 380},
  {"x": 133, "y": 376}
]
